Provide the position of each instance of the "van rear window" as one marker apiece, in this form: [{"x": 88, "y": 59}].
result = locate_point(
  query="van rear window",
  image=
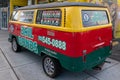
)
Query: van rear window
[
  {"x": 49, "y": 17},
  {"x": 94, "y": 18}
]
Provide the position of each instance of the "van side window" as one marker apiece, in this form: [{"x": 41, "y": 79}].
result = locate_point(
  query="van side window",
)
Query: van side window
[
  {"x": 26, "y": 16},
  {"x": 15, "y": 16},
  {"x": 94, "y": 18},
  {"x": 49, "y": 17}
]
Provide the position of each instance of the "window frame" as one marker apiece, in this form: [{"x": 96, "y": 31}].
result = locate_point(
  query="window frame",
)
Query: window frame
[
  {"x": 26, "y": 11},
  {"x": 61, "y": 15},
  {"x": 12, "y": 16}
]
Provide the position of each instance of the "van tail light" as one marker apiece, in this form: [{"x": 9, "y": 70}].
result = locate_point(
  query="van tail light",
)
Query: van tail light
[{"x": 84, "y": 55}]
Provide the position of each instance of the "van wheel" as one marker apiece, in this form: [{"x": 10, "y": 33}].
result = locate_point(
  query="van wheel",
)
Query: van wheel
[
  {"x": 51, "y": 66},
  {"x": 15, "y": 46}
]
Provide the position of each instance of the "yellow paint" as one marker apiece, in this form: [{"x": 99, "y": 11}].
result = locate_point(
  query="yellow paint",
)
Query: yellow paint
[
  {"x": 91, "y": 1},
  {"x": 74, "y": 20},
  {"x": 71, "y": 22},
  {"x": 117, "y": 27},
  {"x": 17, "y": 3},
  {"x": 117, "y": 32},
  {"x": 78, "y": 0},
  {"x": 114, "y": 43},
  {"x": 36, "y": 1},
  {"x": 118, "y": 1},
  {"x": 95, "y": 1}
]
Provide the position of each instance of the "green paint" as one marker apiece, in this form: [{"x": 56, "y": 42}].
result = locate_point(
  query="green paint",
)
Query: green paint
[
  {"x": 92, "y": 59},
  {"x": 26, "y": 31},
  {"x": 29, "y": 44},
  {"x": 76, "y": 64}
]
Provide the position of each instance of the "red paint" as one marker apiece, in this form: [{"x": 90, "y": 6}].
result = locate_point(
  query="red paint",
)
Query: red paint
[
  {"x": 75, "y": 42},
  {"x": 88, "y": 40}
]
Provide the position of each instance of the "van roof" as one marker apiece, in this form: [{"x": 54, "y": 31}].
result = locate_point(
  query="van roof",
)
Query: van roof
[{"x": 59, "y": 4}]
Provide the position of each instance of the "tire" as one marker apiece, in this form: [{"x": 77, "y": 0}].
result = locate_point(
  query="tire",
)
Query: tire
[
  {"x": 51, "y": 66},
  {"x": 15, "y": 46}
]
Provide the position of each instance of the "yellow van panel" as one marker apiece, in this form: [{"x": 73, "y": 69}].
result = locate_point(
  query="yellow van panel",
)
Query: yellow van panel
[
  {"x": 14, "y": 3},
  {"x": 71, "y": 20},
  {"x": 74, "y": 19}
]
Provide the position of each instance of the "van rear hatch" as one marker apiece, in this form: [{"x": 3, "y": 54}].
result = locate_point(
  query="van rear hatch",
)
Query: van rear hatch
[
  {"x": 95, "y": 40},
  {"x": 98, "y": 32}
]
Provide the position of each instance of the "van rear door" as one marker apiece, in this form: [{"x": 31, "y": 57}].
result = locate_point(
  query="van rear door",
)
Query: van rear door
[{"x": 96, "y": 35}]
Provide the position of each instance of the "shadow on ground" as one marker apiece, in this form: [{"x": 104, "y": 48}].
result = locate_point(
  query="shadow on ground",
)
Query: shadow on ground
[{"x": 116, "y": 52}]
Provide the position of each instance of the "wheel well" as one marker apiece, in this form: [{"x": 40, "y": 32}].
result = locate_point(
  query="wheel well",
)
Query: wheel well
[
  {"x": 13, "y": 37},
  {"x": 43, "y": 54}
]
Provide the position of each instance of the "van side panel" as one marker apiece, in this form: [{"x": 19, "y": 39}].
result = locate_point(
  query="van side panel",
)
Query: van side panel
[
  {"x": 58, "y": 41},
  {"x": 68, "y": 43},
  {"x": 70, "y": 57}
]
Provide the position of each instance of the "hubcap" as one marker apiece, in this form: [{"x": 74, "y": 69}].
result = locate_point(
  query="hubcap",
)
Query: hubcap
[
  {"x": 49, "y": 66},
  {"x": 14, "y": 45}
]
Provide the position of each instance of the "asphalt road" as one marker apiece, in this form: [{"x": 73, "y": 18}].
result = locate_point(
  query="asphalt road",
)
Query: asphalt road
[{"x": 27, "y": 66}]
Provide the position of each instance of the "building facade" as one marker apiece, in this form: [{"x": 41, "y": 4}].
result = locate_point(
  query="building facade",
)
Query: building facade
[{"x": 4, "y": 13}]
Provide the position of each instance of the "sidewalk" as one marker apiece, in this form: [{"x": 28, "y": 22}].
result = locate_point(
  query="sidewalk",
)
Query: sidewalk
[{"x": 27, "y": 66}]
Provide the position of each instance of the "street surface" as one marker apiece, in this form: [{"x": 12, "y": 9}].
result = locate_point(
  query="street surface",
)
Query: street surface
[{"x": 27, "y": 66}]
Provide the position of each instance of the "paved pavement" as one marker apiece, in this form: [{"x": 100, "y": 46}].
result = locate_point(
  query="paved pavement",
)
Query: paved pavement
[
  {"x": 116, "y": 52},
  {"x": 27, "y": 66}
]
